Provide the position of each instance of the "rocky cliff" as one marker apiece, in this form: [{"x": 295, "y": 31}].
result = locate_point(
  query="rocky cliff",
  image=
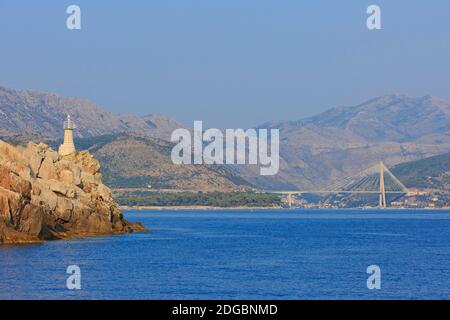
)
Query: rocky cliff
[{"x": 44, "y": 196}]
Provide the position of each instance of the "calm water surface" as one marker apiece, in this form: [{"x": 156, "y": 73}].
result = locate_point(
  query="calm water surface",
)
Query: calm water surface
[{"x": 244, "y": 255}]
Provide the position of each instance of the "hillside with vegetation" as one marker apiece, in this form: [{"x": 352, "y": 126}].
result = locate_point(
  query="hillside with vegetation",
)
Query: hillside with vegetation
[
  {"x": 211, "y": 199},
  {"x": 428, "y": 173},
  {"x": 131, "y": 161}
]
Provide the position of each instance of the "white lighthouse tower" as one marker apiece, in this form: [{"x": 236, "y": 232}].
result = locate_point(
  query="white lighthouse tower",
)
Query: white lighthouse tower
[{"x": 68, "y": 146}]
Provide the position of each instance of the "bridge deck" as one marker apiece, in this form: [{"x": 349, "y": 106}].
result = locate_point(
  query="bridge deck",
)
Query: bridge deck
[{"x": 328, "y": 191}]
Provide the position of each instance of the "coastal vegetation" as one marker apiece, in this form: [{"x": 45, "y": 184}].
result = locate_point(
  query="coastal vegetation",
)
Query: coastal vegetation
[
  {"x": 432, "y": 172},
  {"x": 212, "y": 199}
]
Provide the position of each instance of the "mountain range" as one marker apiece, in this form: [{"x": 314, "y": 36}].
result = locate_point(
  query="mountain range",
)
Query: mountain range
[
  {"x": 314, "y": 152},
  {"x": 343, "y": 141},
  {"x": 41, "y": 114}
]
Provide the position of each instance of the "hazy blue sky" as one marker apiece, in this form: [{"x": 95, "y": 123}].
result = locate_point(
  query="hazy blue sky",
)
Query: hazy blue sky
[{"x": 230, "y": 63}]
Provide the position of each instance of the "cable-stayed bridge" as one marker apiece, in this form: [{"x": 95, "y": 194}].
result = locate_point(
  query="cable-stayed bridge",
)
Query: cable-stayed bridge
[{"x": 377, "y": 179}]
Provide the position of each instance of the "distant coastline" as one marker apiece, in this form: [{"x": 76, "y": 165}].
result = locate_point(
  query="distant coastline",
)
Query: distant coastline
[
  {"x": 180, "y": 208},
  {"x": 164, "y": 208}
]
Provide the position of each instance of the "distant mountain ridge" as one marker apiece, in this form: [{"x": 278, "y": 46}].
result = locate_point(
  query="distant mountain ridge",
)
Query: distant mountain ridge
[
  {"x": 134, "y": 151},
  {"x": 391, "y": 117},
  {"x": 342, "y": 141},
  {"x": 314, "y": 152},
  {"x": 42, "y": 114}
]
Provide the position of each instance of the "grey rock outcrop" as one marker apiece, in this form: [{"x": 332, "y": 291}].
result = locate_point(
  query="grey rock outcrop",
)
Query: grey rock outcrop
[{"x": 45, "y": 196}]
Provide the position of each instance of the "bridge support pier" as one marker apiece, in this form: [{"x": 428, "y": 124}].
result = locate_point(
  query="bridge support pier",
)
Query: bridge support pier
[{"x": 290, "y": 200}]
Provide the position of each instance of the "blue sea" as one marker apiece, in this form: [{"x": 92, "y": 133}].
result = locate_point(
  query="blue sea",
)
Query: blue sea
[{"x": 290, "y": 254}]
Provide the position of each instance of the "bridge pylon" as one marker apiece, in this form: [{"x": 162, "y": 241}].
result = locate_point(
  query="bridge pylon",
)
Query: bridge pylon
[
  {"x": 382, "y": 186},
  {"x": 290, "y": 200}
]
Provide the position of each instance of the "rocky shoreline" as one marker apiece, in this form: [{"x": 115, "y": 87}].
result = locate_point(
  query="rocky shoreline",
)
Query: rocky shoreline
[{"x": 44, "y": 196}]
